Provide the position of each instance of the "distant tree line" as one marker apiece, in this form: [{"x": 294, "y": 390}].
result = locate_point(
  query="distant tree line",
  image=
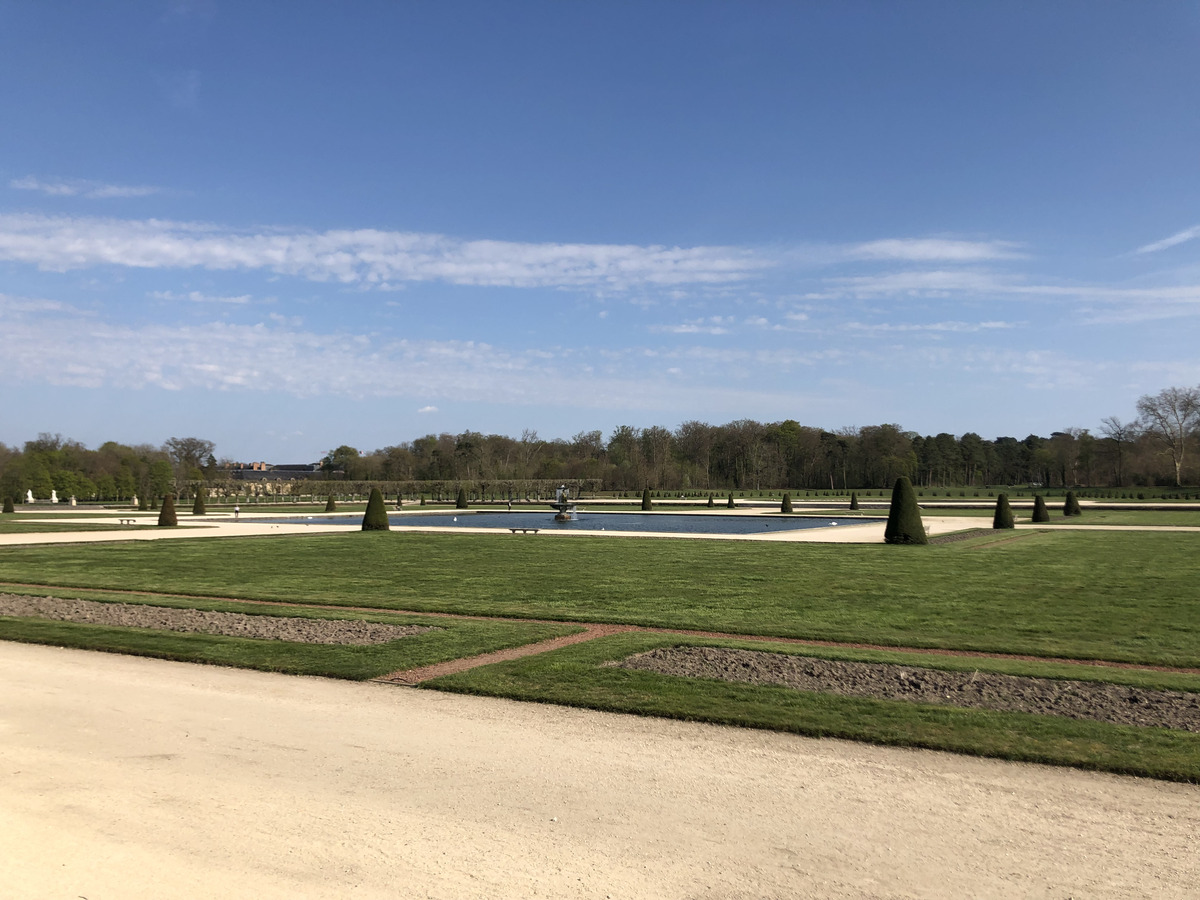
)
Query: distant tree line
[{"x": 1155, "y": 449}]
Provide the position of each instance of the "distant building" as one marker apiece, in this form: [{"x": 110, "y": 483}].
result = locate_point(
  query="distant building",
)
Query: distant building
[{"x": 261, "y": 471}]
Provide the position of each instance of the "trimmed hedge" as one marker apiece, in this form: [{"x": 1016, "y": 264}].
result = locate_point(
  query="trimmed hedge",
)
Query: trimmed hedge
[
  {"x": 1040, "y": 512},
  {"x": 166, "y": 516},
  {"x": 375, "y": 518},
  {"x": 1004, "y": 514},
  {"x": 904, "y": 524}
]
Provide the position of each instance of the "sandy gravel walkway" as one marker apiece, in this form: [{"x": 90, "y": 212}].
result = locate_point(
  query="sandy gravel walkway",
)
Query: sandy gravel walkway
[{"x": 135, "y": 778}]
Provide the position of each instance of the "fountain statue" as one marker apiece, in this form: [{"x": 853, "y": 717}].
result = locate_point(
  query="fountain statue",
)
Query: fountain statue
[
  {"x": 29, "y": 496},
  {"x": 564, "y": 505}
]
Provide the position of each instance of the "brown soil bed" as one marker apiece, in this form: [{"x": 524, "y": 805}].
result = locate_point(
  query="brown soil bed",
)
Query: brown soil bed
[
  {"x": 162, "y": 618},
  {"x": 1101, "y": 702}
]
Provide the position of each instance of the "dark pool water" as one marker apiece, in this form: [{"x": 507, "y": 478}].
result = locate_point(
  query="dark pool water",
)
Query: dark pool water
[{"x": 597, "y": 521}]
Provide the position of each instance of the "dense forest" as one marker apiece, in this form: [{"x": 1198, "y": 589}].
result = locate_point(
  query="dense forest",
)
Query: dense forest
[{"x": 1154, "y": 449}]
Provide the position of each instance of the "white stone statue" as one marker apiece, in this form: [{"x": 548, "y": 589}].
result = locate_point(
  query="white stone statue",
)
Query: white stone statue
[
  {"x": 53, "y": 496},
  {"x": 135, "y": 501},
  {"x": 29, "y": 496},
  {"x": 72, "y": 499}
]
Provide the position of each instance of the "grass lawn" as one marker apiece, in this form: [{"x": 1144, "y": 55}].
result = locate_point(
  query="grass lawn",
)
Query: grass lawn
[
  {"x": 1090, "y": 594},
  {"x": 1165, "y": 517},
  {"x": 1084, "y": 594},
  {"x": 9, "y": 525},
  {"x": 453, "y": 639},
  {"x": 577, "y": 676}
]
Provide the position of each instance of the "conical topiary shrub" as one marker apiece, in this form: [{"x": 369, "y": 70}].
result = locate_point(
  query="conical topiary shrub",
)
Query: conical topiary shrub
[
  {"x": 330, "y": 506},
  {"x": 375, "y": 518},
  {"x": 166, "y": 516},
  {"x": 853, "y": 500},
  {"x": 1004, "y": 514},
  {"x": 198, "y": 508},
  {"x": 904, "y": 524},
  {"x": 710, "y": 501},
  {"x": 729, "y": 504},
  {"x": 1040, "y": 513},
  {"x": 1071, "y": 505},
  {"x": 786, "y": 505},
  {"x": 460, "y": 502},
  {"x": 646, "y": 504},
  {"x": 8, "y": 505}
]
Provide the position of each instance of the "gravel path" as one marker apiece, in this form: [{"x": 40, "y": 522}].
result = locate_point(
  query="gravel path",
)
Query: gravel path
[
  {"x": 138, "y": 779},
  {"x": 1097, "y": 701},
  {"x": 163, "y": 618}
]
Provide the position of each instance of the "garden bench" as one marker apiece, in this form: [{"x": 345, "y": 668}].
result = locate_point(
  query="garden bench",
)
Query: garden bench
[
  {"x": 127, "y": 521},
  {"x": 523, "y": 530}
]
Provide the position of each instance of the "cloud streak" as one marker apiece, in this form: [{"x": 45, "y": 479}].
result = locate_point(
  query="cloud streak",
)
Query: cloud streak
[
  {"x": 78, "y": 187},
  {"x": 198, "y": 297},
  {"x": 927, "y": 250},
  {"x": 364, "y": 256},
  {"x": 1181, "y": 237}
]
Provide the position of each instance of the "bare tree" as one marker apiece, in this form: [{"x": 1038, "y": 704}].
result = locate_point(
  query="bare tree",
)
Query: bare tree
[
  {"x": 1169, "y": 417},
  {"x": 1120, "y": 433}
]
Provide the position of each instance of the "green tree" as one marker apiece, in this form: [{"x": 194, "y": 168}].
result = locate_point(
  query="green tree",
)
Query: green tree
[
  {"x": 375, "y": 518},
  {"x": 162, "y": 479},
  {"x": 198, "y": 508},
  {"x": 330, "y": 506},
  {"x": 166, "y": 516},
  {"x": 729, "y": 504},
  {"x": 854, "y": 500},
  {"x": 1071, "y": 505},
  {"x": 786, "y": 505},
  {"x": 1004, "y": 514},
  {"x": 8, "y": 504},
  {"x": 460, "y": 502},
  {"x": 904, "y": 524},
  {"x": 646, "y": 504},
  {"x": 1040, "y": 513}
]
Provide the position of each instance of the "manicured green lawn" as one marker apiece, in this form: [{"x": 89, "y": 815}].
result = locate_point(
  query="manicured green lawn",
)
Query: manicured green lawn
[
  {"x": 9, "y": 525},
  {"x": 577, "y": 676},
  {"x": 1082, "y": 594},
  {"x": 1166, "y": 517},
  {"x": 453, "y": 639}
]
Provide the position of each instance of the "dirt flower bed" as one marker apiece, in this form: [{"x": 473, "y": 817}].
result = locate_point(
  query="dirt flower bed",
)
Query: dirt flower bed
[
  {"x": 161, "y": 618},
  {"x": 1101, "y": 702}
]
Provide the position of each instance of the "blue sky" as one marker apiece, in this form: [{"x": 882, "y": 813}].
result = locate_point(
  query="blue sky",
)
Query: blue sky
[{"x": 287, "y": 226}]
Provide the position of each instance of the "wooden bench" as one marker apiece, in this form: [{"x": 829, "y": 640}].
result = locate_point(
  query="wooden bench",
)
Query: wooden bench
[
  {"x": 127, "y": 521},
  {"x": 523, "y": 530}
]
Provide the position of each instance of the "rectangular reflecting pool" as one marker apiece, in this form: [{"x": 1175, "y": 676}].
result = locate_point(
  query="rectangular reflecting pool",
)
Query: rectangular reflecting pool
[{"x": 668, "y": 523}]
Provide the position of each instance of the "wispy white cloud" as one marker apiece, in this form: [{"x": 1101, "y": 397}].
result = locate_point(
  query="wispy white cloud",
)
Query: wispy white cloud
[
  {"x": 13, "y": 306},
  {"x": 71, "y": 351},
  {"x": 936, "y": 282},
  {"x": 78, "y": 187},
  {"x": 198, "y": 297},
  {"x": 927, "y": 250},
  {"x": 935, "y": 327},
  {"x": 364, "y": 256},
  {"x": 1181, "y": 237},
  {"x": 1100, "y": 303},
  {"x": 424, "y": 410},
  {"x": 711, "y": 325}
]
